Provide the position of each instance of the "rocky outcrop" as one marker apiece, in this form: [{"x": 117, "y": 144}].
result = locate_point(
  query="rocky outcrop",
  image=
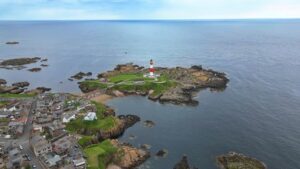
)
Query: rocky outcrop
[
  {"x": 162, "y": 153},
  {"x": 19, "y": 61},
  {"x": 124, "y": 122},
  {"x": 80, "y": 75},
  {"x": 183, "y": 164},
  {"x": 234, "y": 160},
  {"x": 43, "y": 89},
  {"x": 44, "y": 65},
  {"x": 129, "y": 157},
  {"x": 3, "y": 82},
  {"x": 149, "y": 123},
  {"x": 21, "y": 84},
  {"x": 12, "y": 43},
  {"x": 35, "y": 69},
  {"x": 185, "y": 83}
]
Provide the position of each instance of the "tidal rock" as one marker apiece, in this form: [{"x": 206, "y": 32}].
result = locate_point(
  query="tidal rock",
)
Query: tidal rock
[
  {"x": 3, "y": 82},
  {"x": 196, "y": 67},
  {"x": 44, "y": 60},
  {"x": 19, "y": 61},
  {"x": 149, "y": 123},
  {"x": 12, "y": 43},
  {"x": 44, "y": 65},
  {"x": 183, "y": 164},
  {"x": 129, "y": 120},
  {"x": 21, "y": 84},
  {"x": 145, "y": 146},
  {"x": 236, "y": 160},
  {"x": 35, "y": 69},
  {"x": 131, "y": 157},
  {"x": 43, "y": 89},
  {"x": 178, "y": 96},
  {"x": 162, "y": 153},
  {"x": 7, "y": 89},
  {"x": 80, "y": 75},
  {"x": 17, "y": 91}
]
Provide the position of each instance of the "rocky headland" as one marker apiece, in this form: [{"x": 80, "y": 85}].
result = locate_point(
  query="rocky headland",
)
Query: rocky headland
[
  {"x": 172, "y": 85},
  {"x": 234, "y": 160}
]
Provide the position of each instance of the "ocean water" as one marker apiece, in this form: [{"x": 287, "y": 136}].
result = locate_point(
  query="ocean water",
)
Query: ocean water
[{"x": 258, "y": 114}]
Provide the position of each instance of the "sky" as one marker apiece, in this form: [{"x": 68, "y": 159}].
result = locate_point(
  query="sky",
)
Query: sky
[{"x": 147, "y": 9}]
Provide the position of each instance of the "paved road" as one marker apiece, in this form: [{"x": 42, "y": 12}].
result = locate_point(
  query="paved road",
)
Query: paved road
[{"x": 24, "y": 139}]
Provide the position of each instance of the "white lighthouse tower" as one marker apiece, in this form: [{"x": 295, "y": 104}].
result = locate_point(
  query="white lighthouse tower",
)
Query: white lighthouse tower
[{"x": 151, "y": 69}]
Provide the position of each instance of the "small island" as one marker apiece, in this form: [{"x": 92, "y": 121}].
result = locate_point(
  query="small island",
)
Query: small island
[{"x": 172, "y": 85}]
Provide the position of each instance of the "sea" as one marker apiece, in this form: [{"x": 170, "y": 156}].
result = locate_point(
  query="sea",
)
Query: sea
[{"x": 258, "y": 114}]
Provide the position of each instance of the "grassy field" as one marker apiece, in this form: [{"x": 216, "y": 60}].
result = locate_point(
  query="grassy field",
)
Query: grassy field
[
  {"x": 102, "y": 123},
  {"x": 22, "y": 95},
  {"x": 98, "y": 154},
  {"x": 84, "y": 140},
  {"x": 133, "y": 82}
]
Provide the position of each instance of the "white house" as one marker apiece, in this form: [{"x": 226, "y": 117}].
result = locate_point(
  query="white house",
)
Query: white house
[
  {"x": 68, "y": 117},
  {"x": 90, "y": 116}
]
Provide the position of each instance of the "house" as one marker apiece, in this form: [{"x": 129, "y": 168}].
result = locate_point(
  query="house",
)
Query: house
[
  {"x": 68, "y": 117},
  {"x": 15, "y": 159},
  {"x": 62, "y": 145},
  {"x": 37, "y": 127},
  {"x": 40, "y": 145},
  {"x": 56, "y": 128},
  {"x": 90, "y": 116},
  {"x": 79, "y": 162},
  {"x": 52, "y": 160}
]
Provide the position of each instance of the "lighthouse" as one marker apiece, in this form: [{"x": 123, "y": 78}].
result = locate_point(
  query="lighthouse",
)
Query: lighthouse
[{"x": 151, "y": 69}]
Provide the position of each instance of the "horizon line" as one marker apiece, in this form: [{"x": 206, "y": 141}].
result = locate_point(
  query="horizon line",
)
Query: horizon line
[{"x": 214, "y": 19}]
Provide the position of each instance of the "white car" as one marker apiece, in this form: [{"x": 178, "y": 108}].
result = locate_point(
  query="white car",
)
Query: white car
[{"x": 21, "y": 147}]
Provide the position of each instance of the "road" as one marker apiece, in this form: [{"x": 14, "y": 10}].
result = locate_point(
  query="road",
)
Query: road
[{"x": 24, "y": 139}]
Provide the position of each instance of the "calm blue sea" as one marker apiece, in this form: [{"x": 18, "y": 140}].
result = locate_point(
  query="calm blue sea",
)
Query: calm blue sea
[{"x": 258, "y": 114}]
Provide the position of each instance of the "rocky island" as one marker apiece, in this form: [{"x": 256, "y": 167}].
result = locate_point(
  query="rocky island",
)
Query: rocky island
[
  {"x": 173, "y": 85},
  {"x": 18, "y": 63}
]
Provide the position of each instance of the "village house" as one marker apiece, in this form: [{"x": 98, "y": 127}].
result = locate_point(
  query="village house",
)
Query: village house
[
  {"x": 56, "y": 128},
  {"x": 15, "y": 159},
  {"x": 90, "y": 116},
  {"x": 67, "y": 117},
  {"x": 52, "y": 160},
  {"x": 40, "y": 145},
  {"x": 62, "y": 145}
]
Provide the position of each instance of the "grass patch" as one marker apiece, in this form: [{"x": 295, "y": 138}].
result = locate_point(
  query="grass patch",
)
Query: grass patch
[
  {"x": 98, "y": 154},
  {"x": 126, "y": 77},
  {"x": 85, "y": 140},
  {"x": 3, "y": 103},
  {"x": 94, "y": 84},
  {"x": 102, "y": 123},
  {"x": 22, "y": 95}
]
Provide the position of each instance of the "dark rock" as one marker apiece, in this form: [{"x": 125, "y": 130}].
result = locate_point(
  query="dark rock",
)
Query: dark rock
[
  {"x": 183, "y": 164},
  {"x": 145, "y": 146},
  {"x": 43, "y": 89},
  {"x": 19, "y": 61},
  {"x": 7, "y": 89},
  {"x": 149, "y": 123},
  {"x": 44, "y": 60},
  {"x": 236, "y": 160},
  {"x": 70, "y": 79},
  {"x": 12, "y": 43},
  {"x": 17, "y": 91},
  {"x": 178, "y": 96},
  {"x": 162, "y": 153},
  {"x": 44, "y": 65},
  {"x": 21, "y": 84},
  {"x": 80, "y": 75},
  {"x": 130, "y": 120},
  {"x": 197, "y": 67},
  {"x": 35, "y": 69},
  {"x": 3, "y": 82}
]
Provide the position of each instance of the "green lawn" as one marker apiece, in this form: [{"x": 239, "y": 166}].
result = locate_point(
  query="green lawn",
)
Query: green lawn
[
  {"x": 102, "y": 123},
  {"x": 94, "y": 84},
  {"x": 22, "y": 95},
  {"x": 84, "y": 140},
  {"x": 98, "y": 154},
  {"x": 126, "y": 77}
]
